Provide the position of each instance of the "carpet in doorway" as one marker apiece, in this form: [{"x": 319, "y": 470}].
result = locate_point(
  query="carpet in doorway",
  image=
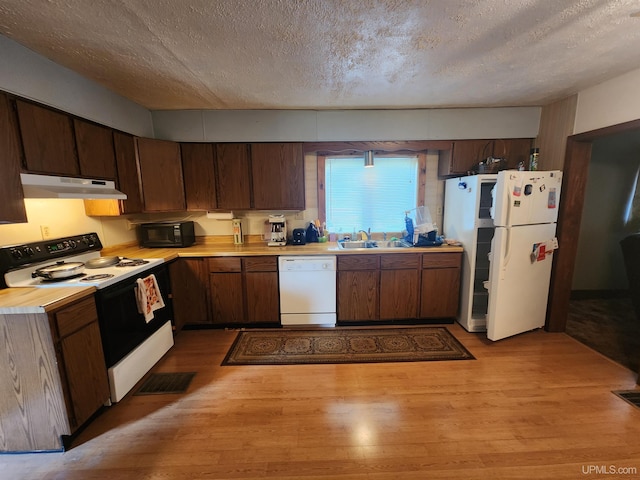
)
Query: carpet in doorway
[
  {"x": 344, "y": 345},
  {"x": 164, "y": 383}
]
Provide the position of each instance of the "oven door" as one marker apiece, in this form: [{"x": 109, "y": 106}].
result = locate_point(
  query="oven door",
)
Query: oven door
[{"x": 121, "y": 326}]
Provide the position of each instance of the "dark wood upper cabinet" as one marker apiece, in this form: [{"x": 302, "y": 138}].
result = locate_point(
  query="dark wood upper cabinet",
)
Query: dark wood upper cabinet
[
  {"x": 12, "y": 208},
  {"x": 465, "y": 154},
  {"x": 96, "y": 155},
  {"x": 199, "y": 176},
  {"x": 160, "y": 175},
  {"x": 128, "y": 175},
  {"x": 278, "y": 176},
  {"x": 47, "y": 139},
  {"x": 233, "y": 183},
  {"x": 515, "y": 150}
]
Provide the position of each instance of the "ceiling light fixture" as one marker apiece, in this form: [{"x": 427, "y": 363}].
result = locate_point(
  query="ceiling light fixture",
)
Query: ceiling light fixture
[{"x": 368, "y": 158}]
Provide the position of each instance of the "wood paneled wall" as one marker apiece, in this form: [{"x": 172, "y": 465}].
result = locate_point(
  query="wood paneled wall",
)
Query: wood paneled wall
[{"x": 556, "y": 124}]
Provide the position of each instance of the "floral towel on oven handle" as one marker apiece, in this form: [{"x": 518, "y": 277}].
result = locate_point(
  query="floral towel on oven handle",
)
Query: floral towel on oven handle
[{"x": 148, "y": 297}]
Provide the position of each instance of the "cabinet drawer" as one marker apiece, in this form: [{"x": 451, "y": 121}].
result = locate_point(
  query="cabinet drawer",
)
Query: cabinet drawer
[
  {"x": 399, "y": 261},
  {"x": 225, "y": 264},
  {"x": 441, "y": 260},
  {"x": 260, "y": 264},
  {"x": 358, "y": 262},
  {"x": 76, "y": 316}
]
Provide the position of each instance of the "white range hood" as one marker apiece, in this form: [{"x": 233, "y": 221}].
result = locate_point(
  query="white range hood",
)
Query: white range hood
[{"x": 47, "y": 186}]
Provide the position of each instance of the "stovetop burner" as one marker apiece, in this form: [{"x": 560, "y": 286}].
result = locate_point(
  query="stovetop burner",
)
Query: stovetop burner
[
  {"x": 62, "y": 280},
  {"x": 131, "y": 262},
  {"x": 100, "y": 276}
]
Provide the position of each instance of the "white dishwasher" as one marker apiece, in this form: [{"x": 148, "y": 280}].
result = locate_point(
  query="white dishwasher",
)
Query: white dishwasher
[{"x": 307, "y": 290}]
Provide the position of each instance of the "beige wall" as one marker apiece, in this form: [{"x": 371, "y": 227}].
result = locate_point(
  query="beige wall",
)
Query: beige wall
[{"x": 609, "y": 103}]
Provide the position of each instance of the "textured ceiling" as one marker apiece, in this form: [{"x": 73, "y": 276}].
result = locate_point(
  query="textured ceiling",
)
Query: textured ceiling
[{"x": 332, "y": 54}]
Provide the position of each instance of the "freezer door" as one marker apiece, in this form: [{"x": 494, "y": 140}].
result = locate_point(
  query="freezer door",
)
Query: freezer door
[
  {"x": 524, "y": 198},
  {"x": 519, "y": 283}
]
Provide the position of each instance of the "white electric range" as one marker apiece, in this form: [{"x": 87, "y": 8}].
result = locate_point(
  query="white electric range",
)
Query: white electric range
[{"x": 131, "y": 343}]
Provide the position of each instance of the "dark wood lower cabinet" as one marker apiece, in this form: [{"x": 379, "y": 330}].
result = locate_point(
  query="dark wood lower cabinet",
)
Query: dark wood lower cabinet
[
  {"x": 244, "y": 290},
  {"x": 358, "y": 293},
  {"x": 262, "y": 302},
  {"x": 82, "y": 367},
  {"x": 399, "y": 285},
  {"x": 54, "y": 375},
  {"x": 227, "y": 300},
  {"x": 440, "y": 285},
  {"x": 370, "y": 287},
  {"x": 390, "y": 287},
  {"x": 189, "y": 280}
]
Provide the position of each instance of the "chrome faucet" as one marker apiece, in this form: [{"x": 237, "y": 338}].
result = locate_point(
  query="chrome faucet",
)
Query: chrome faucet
[{"x": 367, "y": 233}]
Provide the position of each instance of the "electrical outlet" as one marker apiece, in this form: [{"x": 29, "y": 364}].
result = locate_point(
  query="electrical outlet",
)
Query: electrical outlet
[
  {"x": 439, "y": 210},
  {"x": 45, "y": 231}
]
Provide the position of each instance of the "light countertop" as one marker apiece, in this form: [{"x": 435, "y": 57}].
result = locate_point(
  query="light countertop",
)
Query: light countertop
[
  {"x": 39, "y": 300},
  {"x": 224, "y": 249}
]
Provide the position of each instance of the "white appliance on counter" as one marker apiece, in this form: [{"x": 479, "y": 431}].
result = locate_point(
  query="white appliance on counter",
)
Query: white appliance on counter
[
  {"x": 307, "y": 290},
  {"x": 506, "y": 223}
]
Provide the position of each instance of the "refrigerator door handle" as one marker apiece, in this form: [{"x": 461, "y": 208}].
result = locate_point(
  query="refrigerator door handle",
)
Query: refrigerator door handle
[{"x": 507, "y": 252}]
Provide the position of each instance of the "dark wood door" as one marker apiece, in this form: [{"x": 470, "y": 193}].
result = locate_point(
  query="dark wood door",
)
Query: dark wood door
[
  {"x": 278, "y": 176},
  {"x": 233, "y": 183},
  {"x": 399, "y": 293},
  {"x": 128, "y": 175},
  {"x": 358, "y": 294},
  {"x": 12, "y": 209},
  {"x": 399, "y": 285},
  {"x": 86, "y": 372},
  {"x": 190, "y": 292},
  {"x": 515, "y": 150},
  {"x": 47, "y": 139},
  {"x": 227, "y": 298},
  {"x": 161, "y": 175},
  {"x": 440, "y": 292},
  {"x": 262, "y": 300},
  {"x": 96, "y": 154},
  {"x": 199, "y": 176}
]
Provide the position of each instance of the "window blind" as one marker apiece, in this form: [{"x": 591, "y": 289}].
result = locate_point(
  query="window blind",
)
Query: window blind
[{"x": 376, "y": 198}]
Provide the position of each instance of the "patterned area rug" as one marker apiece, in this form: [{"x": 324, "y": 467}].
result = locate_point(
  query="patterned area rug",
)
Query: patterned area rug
[{"x": 344, "y": 345}]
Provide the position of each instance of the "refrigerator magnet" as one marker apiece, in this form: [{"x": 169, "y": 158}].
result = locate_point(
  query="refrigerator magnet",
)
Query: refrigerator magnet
[
  {"x": 551, "y": 199},
  {"x": 542, "y": 252}
]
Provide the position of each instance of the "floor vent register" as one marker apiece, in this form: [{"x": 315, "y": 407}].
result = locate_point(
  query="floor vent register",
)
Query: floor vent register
[
  {"x": 629, "y": 396},
  {"x": 165, "y": 383}
]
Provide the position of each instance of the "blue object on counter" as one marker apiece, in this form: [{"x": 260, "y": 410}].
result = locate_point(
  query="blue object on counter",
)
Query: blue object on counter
[
  {"x": 408, "y": 222},
  {"x": 312, "y": 233},
  {"x": 430, "y": 239}
]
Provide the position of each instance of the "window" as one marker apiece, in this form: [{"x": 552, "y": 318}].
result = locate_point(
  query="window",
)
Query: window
[{"x": 355, "y": 197}]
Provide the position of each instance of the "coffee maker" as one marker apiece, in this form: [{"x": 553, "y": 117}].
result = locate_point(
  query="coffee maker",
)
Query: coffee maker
[{"x": 278, "y": 231}]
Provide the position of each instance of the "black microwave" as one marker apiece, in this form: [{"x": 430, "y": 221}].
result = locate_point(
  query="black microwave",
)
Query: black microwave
[{"x": 167, "y": 234}]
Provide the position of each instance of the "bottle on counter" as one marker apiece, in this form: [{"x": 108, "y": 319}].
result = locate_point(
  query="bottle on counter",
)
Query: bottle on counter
[{"x": 533, "y": 159}]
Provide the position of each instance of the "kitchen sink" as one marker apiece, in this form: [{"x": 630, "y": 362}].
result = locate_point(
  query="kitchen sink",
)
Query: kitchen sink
[{"x": 367, "y": 244}]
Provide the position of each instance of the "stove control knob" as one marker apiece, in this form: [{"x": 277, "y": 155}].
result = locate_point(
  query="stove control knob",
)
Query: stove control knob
[
  {"x": 72, "y": 244},
  {"x": 17, "y": 254},
  {"x": 28, "y": 251}
]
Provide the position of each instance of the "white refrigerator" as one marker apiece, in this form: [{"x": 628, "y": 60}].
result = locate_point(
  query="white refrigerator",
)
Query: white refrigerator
[{"x": 506, "y": 223}]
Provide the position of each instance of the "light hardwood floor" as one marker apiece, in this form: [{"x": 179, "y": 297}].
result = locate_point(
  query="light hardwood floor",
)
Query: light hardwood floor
[{"x": 536, "y": 406}]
